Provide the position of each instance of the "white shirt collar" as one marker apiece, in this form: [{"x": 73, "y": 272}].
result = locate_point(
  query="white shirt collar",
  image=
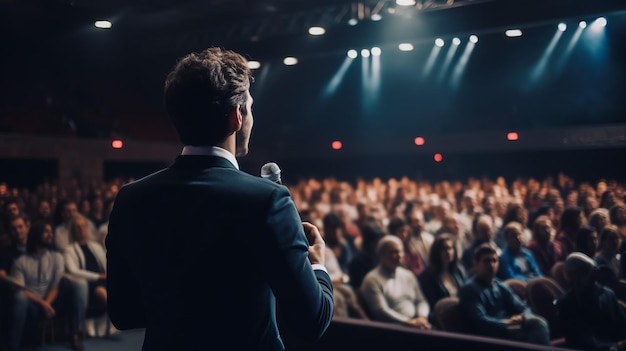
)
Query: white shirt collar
[{"x": 210, "y": 151}]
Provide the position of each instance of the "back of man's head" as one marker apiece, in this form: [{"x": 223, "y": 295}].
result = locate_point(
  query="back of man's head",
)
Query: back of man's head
[
  {"x": 579, "y": 268},
  {"x": 200, "y": 92}
]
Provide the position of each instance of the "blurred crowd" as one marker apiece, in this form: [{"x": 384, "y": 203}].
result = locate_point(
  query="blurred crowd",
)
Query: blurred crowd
[{"x": 395, "y": 247}]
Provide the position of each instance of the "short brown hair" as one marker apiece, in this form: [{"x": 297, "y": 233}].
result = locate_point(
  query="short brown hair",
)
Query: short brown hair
[
  {"x": 200, "y": 92},
  {"x": 484, "y": 249}
]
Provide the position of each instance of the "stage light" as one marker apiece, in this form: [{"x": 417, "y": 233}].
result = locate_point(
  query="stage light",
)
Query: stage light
[
  {"x": 365, "y": 53},
  {"x": 376, "y": 51},
  {"x": 439, "y": 42},
  {"x": 512, "y": 33},
  {"x": 456, "y": 41},
  {"x": 600, "y": 22},
  {"x": 405, "y": 47},
  {"x": 290, "y": 61},
  {"x": 438, "y": 157},
  {"x": 336, "y": 145},
  {"x": 405, "y": 2},
  {"x": 582, "y": 24},
  {"x": 419, "y": 141},
  {"x": 103, "y": 24},
  {"x": 473, "y": 39},
  {"x": 376, "y": 17},
  {"x": 317, "y": 31},
  {"x": 117, "y": 144},
  {"x": 562, "y": 27},
  {"x": 512, "y": 136},
  {"x": 353, "y": 21},
  {"x": 254, "y": 64},
  {"x": 352, "y": 54}
]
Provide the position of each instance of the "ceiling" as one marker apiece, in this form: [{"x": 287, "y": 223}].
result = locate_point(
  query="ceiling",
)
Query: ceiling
[{"x": 52, "y": 49}]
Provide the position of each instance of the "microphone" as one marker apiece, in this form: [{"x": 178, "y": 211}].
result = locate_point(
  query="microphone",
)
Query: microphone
[{"x": 270, "y": 171}]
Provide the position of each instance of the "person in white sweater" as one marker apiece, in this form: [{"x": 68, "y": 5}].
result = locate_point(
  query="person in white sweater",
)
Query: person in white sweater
[{"x": 391, "y": 292}]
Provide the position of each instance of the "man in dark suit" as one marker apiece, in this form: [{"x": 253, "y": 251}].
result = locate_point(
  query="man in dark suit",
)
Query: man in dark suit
[{"x": 201, "y": 253}]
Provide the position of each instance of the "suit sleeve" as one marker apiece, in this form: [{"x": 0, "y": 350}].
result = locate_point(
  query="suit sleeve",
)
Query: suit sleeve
[
  {"x": 305, "y": 296},
  {"x": 124, "y": 293}
]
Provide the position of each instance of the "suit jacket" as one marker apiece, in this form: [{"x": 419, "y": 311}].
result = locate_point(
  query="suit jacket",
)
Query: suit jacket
[
  {"x": 75, "y": 260},
  {"x": 200, "y": 254}
]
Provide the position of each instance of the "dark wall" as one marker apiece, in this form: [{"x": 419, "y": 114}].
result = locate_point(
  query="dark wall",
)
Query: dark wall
[
  {"x": 25, "y": 173},
  {"x": 582, "y": 165},
  {"x": 129, "y": 169}
]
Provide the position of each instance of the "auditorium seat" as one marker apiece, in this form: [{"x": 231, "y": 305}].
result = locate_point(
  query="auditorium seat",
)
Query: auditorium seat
[
  {"x": 557, "y": 272},
  {"x": 518, "y": 286},
  {"x": 447, "y": 315},
  {"x": 541, "y": 295}
]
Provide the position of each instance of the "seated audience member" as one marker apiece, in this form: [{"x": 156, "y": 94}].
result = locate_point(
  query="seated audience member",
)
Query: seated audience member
[
  {"x": 346, "y": 304},
  {"x": 599, "y": 218},
  {"x": 541, "y": 245},
  {"x": 337, "y": 239},
  {"x": 589, "y": 314},
  {"x": 515, "y": 213},
  {"x": 11, "y": 210},
  {"x": 444, "y": 276},
  {"x": 46, "y": 294},
  {"x": 365, "y": 259},
  {"x": 62, "y": 237},
  {"x": 516, "y": 261},
  {"x": 450, "y": 225},
  {"x": 572, "y": 219},
  {"x": 420, "y": 240},
  {"x": 608, "y": 247},
  {"x": 85, "y": 259},
  {"x": 391, "y": 293},
  {"x": 489, "y": 204},
  {"x": 587, "y": 241},
  {"x": 413, "y": 260},
  {"x": 482, "y": 231},
  {"x": 617, "y": 214},
  {"x": 493, "y": 309},
  {"x": 18, "y": 228}
]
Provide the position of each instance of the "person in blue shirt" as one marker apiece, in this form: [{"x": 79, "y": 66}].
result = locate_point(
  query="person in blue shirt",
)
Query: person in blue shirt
[
  {"x": 492, "y": 309},
  {"x": 516, "y": 261}
]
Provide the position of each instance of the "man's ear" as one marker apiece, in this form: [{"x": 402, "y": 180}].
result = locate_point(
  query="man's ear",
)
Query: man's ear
[{"x": 235, "y": 119}]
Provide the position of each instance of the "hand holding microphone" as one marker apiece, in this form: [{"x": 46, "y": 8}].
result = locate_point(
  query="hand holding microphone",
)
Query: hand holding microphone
[{"x": 317, "y": 246}]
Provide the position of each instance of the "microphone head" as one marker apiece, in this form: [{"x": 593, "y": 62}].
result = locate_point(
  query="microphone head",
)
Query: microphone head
[{"x": 271, "y": 171}]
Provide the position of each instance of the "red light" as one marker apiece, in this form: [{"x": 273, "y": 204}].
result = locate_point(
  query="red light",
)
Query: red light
[
  {"x": 512, "y": 136},
  {"x": 419, "y": 141},
  {"x": 438, "y": 157},
  {"x": 336, "y": 145},
  {"x": 117, "y": 144}
]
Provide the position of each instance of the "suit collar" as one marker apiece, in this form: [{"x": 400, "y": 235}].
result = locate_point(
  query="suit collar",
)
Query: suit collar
[
  {"x": 210, "y": 151},
  {"x": 201, "y": 161}
]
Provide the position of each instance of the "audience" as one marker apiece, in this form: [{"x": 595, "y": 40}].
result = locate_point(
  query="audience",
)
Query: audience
[{"x": 358, "y": 215}]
